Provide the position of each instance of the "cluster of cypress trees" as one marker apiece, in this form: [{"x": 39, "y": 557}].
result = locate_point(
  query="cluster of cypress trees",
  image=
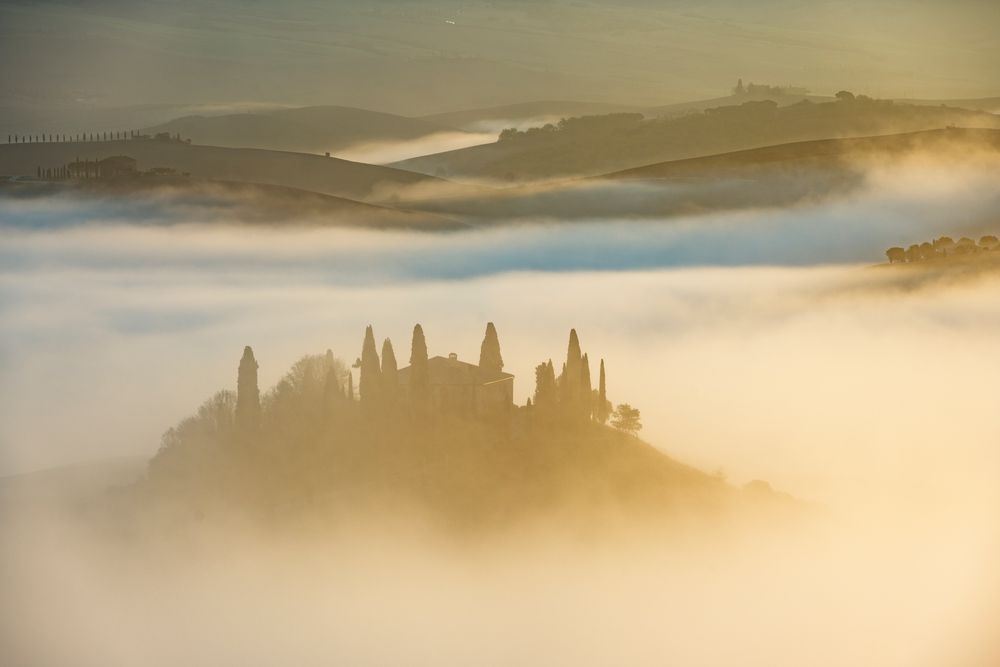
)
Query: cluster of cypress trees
[
  {"x": 571, "y": 395},
  {"x": 568, "y": 396},
  {"x": 378, "y": 381}
]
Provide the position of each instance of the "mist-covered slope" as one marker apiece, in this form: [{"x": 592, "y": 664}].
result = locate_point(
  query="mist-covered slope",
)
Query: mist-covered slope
[
  {"x": 332, "y": 176},
  {"x": 820, "y": 154},
  {"x": 599, "y": 144},
  {"x": 170, "y": 200},
  {"x": 308, "y": 447},
  {"x": 306, "y": 129},
  {"x": 517, "y": 114}
]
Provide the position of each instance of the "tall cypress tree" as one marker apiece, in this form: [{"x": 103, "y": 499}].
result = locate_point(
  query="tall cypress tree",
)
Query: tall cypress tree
[
  {"x": 586, "y": 389},
  {"x": 602, "y": 398},
  {"x": 489, "y": 352},
  {"x": 247, "y": 393},
  {"x": 420, "y": 379},
  {"x": 350, "y": 386},
  {"x": 370, "y": 379},
  {"x": 419, "y": 372},
  {"x": 569, "y": 385},
  {"x": 390, "y": 379}
]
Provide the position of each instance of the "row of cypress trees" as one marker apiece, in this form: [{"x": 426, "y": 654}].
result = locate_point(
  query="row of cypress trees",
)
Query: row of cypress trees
[
  {"x": 378, "y": 382},
  {"x": 64, "y": 138},
  {"x": 571, "y": 394}
]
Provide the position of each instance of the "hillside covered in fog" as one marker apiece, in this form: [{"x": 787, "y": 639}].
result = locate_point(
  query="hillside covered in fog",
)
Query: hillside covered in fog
[
  {"x": 439, "y": 438},
  {"x": 593, "y": 145}
]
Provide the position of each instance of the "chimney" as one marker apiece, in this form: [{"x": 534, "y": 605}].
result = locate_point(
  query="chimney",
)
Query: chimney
[{"x": 452, "y": 357}]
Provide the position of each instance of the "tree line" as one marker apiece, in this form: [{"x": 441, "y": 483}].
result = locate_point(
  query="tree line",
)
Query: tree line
[
  {"x": 92, "y": 137},
  {"x": 570, "y": 396},
  {"x": 942, "y": 247}
]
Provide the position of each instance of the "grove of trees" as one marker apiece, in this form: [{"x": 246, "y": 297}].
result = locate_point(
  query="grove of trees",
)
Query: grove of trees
[{"x": 942, "y": 247}]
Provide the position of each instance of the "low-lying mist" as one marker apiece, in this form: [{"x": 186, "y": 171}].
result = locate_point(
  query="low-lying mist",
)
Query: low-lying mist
[
  {"x": 859, "y": 389},
  {"x": 384, "y": 152}
]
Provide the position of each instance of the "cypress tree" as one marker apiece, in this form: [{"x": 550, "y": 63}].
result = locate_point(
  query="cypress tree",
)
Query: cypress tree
[
  {"x": 390, "y": 379},
  {"x": 420, "y": 379},
  {"x": 489, "y": 352},
  {"x": 586, "y": 389},
  {"x": 247, "y": 393},
  {"x": 569, "y": 389},
  {"x": 350, "y": 386},
  {"x": 602, "y": 398},
  {"x": 369, "y": 382}
]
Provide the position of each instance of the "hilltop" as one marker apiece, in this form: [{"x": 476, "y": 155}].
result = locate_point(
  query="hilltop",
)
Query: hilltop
[
  {"x": 440, "y": 438},
  {"x": 592, "y": 145},
  {"x": 316, "y": 129}
]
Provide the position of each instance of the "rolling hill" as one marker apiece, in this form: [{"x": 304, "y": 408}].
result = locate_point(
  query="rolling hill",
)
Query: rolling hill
[
  {"x": 525, "y": 112},
  {"x": 169, "y": 199},
  {"x": 331, "y": 176},
  {"x": 822, "y": 153},
  {"x": 772, "y": 176},
  {"x": 594, "y": 145},
  {"x": 316, "y": 129}
]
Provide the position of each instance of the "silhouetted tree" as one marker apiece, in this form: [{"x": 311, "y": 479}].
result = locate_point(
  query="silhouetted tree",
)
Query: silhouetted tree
[
  {"x": 626, "y": 419},
  {"x": 390, "y": 379},
  {"x": 896, "y": 254},
  {"x": 586, "y": 388},
  {"x": 420, "y": 379},
  {"x": 489, "y": 352},
  {"x": 571, "y": 378},
  {"x": 371, "y": 372},
  {"x": 247, "y": 393},
  {"x": 350, "y": 386},
  {"x": 965, "y": 246},
  {"x": 546, "y": 393},
  {"x": 603, "y": 405},
  {"x": 845, "y": 96},
  {"x": 945, "y": 245},
  {"x": 333, "y": 394},
  {"x": 989, "y": 242}
]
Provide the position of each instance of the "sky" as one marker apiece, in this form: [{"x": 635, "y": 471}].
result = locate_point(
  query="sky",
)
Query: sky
[{"x": 424, "y": 56}]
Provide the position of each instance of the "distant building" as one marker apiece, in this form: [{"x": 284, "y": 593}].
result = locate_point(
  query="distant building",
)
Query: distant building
[{"x": 457, "y": 387}]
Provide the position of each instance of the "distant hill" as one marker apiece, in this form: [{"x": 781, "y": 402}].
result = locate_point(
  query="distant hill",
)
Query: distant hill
[
  {"x": 679, "y": 108},
  {"x": 70, "y": 486},
  {"x": 517, "y": 114},
  {"x": 594, "y": 145},
  {"x": 988, "y": 104},
  {"x": 823, "y": 153},
  {"x": 316, "y": 129},
  {"x": 332, "y": 176}
]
